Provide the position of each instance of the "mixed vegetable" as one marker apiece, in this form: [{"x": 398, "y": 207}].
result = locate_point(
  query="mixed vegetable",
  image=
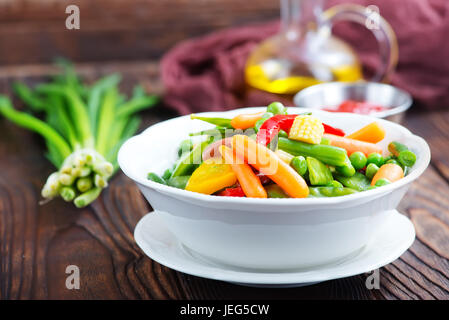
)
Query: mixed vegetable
[
  {"x": 83, "y": 126},
  {"x": 273, "y": 154}
]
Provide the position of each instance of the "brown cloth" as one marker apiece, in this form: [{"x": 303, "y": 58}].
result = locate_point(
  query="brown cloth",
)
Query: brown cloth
[{"x": 207, "y": 73}]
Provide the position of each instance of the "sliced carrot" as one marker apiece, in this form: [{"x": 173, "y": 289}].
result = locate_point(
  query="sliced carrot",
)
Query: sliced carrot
[
  {"x": 269, "y": 163},
  {"x": 250, "y": 183},
  {"x": 373, "y": 133},
  {"x": 245, "y": 121},
  {"x": 390, "y": 171},
  {"x": 352, "y": 145}
]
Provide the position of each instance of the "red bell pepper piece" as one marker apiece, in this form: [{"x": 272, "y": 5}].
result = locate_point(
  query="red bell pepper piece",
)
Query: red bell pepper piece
[
  {"x": 232, "y": 192},
  {"x": 332, "y": 130},
  {"x": 271, "y": 127}
]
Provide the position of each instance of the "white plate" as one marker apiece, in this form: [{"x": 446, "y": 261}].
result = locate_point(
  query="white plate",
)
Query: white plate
[{"x": 161, "y": 245}]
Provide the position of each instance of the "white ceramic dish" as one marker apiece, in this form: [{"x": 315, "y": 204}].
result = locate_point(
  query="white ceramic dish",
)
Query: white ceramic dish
[
  {"x": 263, "y": 233},
  {"x": 387, "y": 244}
]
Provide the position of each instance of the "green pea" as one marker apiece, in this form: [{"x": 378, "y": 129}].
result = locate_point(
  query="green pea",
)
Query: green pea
[
  {"x": 299, "y": 163},
  {"x": 358, "y": 160},
  {"x": 394, "y": 161},
  {"x": 277, "y": 108},
  {"x": 375, "y": 158},
  {"x": 371, "y": 170},
  {"x": 407, "y": 158},
  {"x": 382, "y": 182}
]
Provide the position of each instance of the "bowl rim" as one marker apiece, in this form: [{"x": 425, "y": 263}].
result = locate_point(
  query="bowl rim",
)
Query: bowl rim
[
  {"x": 199, "y": 198},
  {"x": 408, "y": 100}
]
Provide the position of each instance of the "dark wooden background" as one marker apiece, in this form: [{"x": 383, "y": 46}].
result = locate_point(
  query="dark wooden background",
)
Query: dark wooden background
[
  {"x": 37, "y": 242},
  {"x": 33, "y": 31}
]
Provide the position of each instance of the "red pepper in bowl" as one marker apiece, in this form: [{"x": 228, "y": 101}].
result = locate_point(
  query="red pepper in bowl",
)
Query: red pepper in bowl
[
  {"x": 232, "y": 192},
  {"x": 271, "y": 127}
]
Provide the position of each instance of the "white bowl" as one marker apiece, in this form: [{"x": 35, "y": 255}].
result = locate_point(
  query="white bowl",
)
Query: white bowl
[{"x": 270, "y": 234}]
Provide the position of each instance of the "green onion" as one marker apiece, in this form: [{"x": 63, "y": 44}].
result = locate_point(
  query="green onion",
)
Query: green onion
[{"x": 83, "y": 128}]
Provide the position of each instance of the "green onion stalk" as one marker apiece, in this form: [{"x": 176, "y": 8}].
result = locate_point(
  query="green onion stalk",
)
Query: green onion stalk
[{"x": 83, "y": 127}]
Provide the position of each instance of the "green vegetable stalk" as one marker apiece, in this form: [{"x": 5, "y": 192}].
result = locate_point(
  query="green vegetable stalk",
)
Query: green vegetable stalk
[
  {"x": 220, "y": 122},
  {"x": 331, "y": 155},
  {"x": 83, "y": 128}
]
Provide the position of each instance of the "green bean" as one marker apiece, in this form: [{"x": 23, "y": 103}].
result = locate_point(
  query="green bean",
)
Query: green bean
[
  {"x": 346, "y": 170},
  {"x": 221, "y": 122},
  {"x": 217, "y": 131},
  {"x": 330, "y": 191},
  {"x": 328, "y": 154},
  {"x": 185, "y": 146},
  {"x": 357, "y": 182},
  {"x": 274, "y": 191},
  {"x": 154, "y": 177},
  {"x": 189, "y": 162},
  {"x": 167, "y": 174},
  {"x": 179, "y": 182},
  {"x": 319, "y": 174},
  {"x": 335, "y": 184}
]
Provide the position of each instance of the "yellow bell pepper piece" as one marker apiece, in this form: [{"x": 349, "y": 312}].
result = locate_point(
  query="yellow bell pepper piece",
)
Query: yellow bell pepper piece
[{"x": 212, "y": 175}]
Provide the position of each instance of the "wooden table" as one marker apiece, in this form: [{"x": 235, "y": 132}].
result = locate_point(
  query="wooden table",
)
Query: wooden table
[{"x": 38, "y": 242}]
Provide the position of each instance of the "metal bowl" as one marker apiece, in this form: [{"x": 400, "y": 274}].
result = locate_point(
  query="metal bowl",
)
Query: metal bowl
[{"x": 331, "y": 94}]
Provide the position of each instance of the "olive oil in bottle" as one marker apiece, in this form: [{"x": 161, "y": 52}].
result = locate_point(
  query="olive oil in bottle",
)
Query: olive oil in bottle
[{"x": 304, "y": 53}]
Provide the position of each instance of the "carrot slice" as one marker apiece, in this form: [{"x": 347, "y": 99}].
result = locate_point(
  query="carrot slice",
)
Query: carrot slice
[
  {"x": 352, "y": 145},
  {"x": 250, "y": 183},
  {"x": 390, "y": 171},
  {"x": 245, "y": 121},
  {"x": 372, "y": 132},
  {"x": 269, "y": 163}
]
